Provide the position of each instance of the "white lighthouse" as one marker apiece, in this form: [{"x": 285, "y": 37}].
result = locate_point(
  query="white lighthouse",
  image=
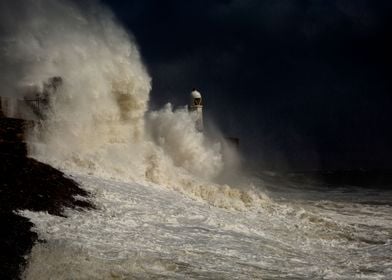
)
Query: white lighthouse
[{"x": 196, "y": 109}]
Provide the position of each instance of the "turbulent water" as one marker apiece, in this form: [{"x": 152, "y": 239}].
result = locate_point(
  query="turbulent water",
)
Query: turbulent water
[
  {"x": 171, "y": 202},
  {"x": 150, "y": 232}
]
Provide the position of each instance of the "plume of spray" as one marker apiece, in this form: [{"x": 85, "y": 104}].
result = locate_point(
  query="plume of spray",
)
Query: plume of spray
[
  {"x": 175, "y": 132},
  {"x": 98, "y": 120}
]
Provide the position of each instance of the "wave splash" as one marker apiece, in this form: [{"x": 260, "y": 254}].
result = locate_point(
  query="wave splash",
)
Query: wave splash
[{"x": 98, "y": 120}]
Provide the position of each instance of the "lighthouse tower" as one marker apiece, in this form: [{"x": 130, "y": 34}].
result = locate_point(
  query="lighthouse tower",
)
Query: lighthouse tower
[{"x": 196, "y": 109}]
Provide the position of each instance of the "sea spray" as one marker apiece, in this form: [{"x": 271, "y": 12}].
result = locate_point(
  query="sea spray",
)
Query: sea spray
[
  {"x": 175, "y": 132},
  {"x": 97, "y": 121}
]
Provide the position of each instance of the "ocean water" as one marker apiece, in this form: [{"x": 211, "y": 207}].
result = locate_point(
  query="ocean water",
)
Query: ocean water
[
  {"x": 151, "y": 232},
  {"x": 171, "y": 202}
]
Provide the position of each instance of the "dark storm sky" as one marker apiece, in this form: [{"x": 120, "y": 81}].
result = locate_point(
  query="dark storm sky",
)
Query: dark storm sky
[{"x": 303, "y": 83}]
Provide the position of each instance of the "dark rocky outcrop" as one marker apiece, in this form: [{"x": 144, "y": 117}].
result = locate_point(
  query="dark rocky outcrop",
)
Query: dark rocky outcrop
[{"x": 26, "y": 184}]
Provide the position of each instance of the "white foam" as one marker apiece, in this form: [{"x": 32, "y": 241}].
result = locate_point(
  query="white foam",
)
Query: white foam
[{"x": 148, "y": 231}]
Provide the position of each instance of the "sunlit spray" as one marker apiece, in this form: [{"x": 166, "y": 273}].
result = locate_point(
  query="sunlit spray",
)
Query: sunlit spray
[{"x": 97, "y": 121}]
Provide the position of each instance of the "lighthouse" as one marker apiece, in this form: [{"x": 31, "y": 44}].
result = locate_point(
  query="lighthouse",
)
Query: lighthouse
[{"x": 196, "y": 109}]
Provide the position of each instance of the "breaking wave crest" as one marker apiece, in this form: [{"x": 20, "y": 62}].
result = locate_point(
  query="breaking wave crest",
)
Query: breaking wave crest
[{"x": 97, "y": 120}]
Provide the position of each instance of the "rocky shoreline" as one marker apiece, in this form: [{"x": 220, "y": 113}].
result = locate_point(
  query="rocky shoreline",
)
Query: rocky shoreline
[{"x": 27, "y": 184}]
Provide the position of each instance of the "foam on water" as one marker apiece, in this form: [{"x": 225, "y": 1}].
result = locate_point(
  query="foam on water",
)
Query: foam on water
[
  {"x": 98, "y": 129},
  {"x": 148, "y": 231}
]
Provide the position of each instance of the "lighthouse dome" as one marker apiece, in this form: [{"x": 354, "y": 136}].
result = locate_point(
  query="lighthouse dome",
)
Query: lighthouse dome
[{"x": 195, "y": 94}]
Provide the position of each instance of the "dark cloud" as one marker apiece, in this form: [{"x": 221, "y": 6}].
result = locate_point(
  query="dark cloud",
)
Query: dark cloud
[{"x": 304, "y": 83}]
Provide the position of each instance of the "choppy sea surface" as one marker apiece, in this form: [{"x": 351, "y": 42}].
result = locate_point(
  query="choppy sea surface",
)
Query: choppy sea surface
[
  {"x": 145, "y": 231},
  {"x": 98, "y": 121}
]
